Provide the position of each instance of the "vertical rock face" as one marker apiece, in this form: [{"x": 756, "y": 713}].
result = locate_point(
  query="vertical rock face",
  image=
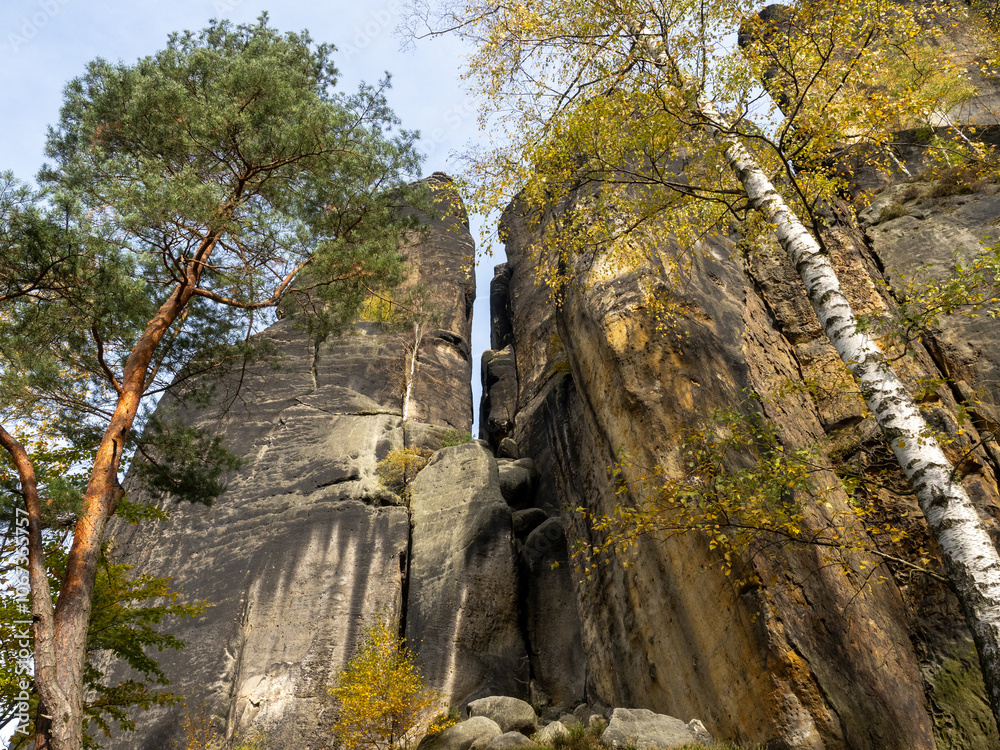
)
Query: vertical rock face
[
  {"x": 463, "y": 613},
  {"x": 306, "y": 547},
  {"x": 822, "y": 647}
]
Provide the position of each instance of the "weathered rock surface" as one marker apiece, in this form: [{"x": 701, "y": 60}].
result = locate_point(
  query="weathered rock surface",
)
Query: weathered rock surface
[
  {"x": 511, "y": 714},
  {"x": 496, "y": 413},
  {"x": 508, "y": 740},
  {"x": 637, "y": 728},
  {"x": 463, "y": 735},
  {"x": 305, "y": 548},
  {"x": 584, "y": 713},
  {"x": 527, "y": 520},
  {"x": 701, "y": 734},
  {"x": 910, "y": 245},
  {"x": 518, "y": 481},
  {"x": 501, "y": 333},
  {"x": 552, "y": 622},
  {"x": 462, "y": 609},
  {"x": 809, "y": 655},
  {"x": 643, "y": 729},
  {"x": 299, "y": 530},
  {"x": 548, "y": 734}
]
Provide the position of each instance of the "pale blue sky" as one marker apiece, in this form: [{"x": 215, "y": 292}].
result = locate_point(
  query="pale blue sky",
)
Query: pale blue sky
[{"x": 45, "y": 43}]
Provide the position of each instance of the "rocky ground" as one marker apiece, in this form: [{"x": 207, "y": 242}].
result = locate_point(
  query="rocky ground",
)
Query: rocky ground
[{"x": 503, "y": 723}]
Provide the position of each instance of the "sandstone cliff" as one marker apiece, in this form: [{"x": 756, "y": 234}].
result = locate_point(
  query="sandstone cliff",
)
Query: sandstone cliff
[
  {"x": 306, "y": 547},
  {"x": 826, "y": 648},
  {"x": 821, "y": 648}
]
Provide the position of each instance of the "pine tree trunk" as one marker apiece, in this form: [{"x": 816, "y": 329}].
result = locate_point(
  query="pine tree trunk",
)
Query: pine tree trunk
[
  {"x": 61, "y": 633},
  {"x": 43, "y": 728},
  {"x": 971, "y": 560}
]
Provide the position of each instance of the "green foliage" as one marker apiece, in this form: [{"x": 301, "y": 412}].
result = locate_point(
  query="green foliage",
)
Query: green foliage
[
  {"x": 381, "y": 696},
  {"x": 185, "y": 463},
  {"x": 189, "y": 194},
  {"x": 127, "y": 616},
  {"x": 454, "y": 437},
  {"x": 959, "y": 706},
  {"x": 735, "y": 484},
  {"x": 60, "y": 471},
  {"x": 235, "y": 133},
  {"x": 37, "y": 258},
  {"x": 400, "y": 467},
  {"x": 128, "y": 613},
  {"x": 580, "y": 738}
]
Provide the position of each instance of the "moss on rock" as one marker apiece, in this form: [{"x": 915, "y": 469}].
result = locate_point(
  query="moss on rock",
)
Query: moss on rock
[{"x": 962, "y": 716}]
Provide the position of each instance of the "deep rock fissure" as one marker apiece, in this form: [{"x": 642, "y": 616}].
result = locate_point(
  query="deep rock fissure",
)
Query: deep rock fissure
[{"x": 404, "y": 569}]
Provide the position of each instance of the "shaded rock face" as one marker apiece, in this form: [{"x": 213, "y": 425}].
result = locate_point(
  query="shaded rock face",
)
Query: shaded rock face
[
  {"x": 552, "y": 623},
  {"x": 816, "y": 650},
  {"x": 463, "y": 612},
  {"x": 306, "y": 548},
  {"x": 294, "y": 559}
]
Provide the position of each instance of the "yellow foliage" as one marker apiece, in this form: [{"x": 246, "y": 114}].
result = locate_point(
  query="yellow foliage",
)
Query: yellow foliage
[
  {"x": 604, "y": 146},
  {"x": 399, "y": 468},
  {"x": 738, "y": 487},
  {"x": 198, "y": 731},
  {"x": 378, "y": 309},
  {"x": 381, "y": 695}
]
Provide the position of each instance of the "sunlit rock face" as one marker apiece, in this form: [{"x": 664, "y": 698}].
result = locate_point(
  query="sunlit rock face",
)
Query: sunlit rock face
[
  {"x": 306, "y": 547},
  {"x": 822, "y": 647}
]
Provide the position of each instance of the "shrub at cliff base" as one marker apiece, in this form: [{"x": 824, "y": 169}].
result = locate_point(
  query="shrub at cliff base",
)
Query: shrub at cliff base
[{"x": 382, "y": 698}]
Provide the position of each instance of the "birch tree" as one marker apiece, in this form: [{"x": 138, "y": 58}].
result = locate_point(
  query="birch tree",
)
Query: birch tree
[
  {"x": 605, "y": 105},
  {"x": 195, "y": 190}
]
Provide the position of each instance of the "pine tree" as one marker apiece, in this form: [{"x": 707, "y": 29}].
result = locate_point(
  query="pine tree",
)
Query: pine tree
[{"x": 189, "y": 193}]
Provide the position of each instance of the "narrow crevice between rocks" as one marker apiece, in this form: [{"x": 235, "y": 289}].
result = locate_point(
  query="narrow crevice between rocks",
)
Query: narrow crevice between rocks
[
  {"x": 352, "y": 476},
  {"x": 404, "y": 570},
  {"x": 523, "y": 582},
  {"x": 314, "y": 368},
  {"x": 235, "y": 666}
]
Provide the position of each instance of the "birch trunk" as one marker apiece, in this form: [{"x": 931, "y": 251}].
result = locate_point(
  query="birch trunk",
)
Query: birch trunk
[
  {"x": 411, "y": 373},
  {"x": 971, "y": 560}
]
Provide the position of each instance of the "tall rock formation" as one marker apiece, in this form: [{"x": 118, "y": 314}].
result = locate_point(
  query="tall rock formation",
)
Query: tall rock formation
[
  {"x": 306, "y": 547},
  {"x": 823, "y": 647},
  {"x": 804, "y": 647}
]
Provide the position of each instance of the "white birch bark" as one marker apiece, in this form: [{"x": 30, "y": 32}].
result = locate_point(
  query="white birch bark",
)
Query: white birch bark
[
  {"x": 412, "y": 369},
  {"x": 970, "y": 558}
]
